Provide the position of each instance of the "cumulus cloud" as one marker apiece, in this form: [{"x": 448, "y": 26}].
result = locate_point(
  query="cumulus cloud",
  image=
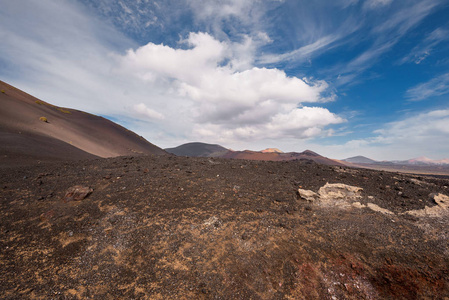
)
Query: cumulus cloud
[
  {"x": 242, "y": 103},
  {"x": 435, "y": 87},
  {"x": 298, "y": 123}
]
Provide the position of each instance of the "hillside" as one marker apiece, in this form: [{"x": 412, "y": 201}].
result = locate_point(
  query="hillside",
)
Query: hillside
[
  {"x": 197, "y": 149},
  {"x": 36, "y": 130},
  {"x": 360, "y": 160},
  {"x": 280, "y": 156}
]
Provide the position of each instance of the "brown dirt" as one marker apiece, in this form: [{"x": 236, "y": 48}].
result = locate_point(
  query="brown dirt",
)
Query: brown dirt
[
  {"x": 66, "y": 133},
  {"x": 275, "y": 156},
  {"x": 165, "y": 227}
]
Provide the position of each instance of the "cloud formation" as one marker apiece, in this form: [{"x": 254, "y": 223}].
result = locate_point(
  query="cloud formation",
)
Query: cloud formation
[
  {"x": 198, "y": 82},
  {"x": 373, "y": 4},
  {"x": 435, "y": 87},
  {"x": 409, "y": 137},
  {"x": 425, "y": 48},
  {"x": 245, "y": 73},
  {"x": 297, "y": 124},
  {"x": 142, "y": 110},
  {"x": 253, "y": 102}
]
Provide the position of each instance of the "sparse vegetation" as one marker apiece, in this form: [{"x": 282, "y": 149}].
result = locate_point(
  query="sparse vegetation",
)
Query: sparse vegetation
[
  {"x": 43, "y": 119},
  {"x": 40, "y": 102},
  {"x": 3, "y": 91},
  {"x": 65, "y": 111}
]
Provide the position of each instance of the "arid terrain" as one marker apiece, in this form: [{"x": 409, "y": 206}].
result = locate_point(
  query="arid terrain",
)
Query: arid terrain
[
  {"x": 167, "y": 227},
  {"x": 151, "y": 225}
]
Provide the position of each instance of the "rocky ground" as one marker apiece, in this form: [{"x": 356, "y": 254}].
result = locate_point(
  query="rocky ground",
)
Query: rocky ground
[{"x": 166, "y": 227}]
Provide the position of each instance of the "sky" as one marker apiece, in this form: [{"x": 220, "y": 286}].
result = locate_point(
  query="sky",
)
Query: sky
[{"x": 338, "y": 77}]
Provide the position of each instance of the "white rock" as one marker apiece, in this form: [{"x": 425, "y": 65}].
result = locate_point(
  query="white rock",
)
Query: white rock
[
  {"x": 308, "y": 195},
  {"x": 439, "y": 210}
]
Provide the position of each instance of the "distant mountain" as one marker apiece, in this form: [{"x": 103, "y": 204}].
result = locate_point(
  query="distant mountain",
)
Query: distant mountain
[
  {"x": 419, "y": 161},
  {"x": 198, "y": 150},
  {"x": 425, "y": 161},
  {"x": 32, "y": 129},
  {"x": 360, "y": 160},
  {"x": 276, "y": 156},
  {"x": 420, "y": 165}
]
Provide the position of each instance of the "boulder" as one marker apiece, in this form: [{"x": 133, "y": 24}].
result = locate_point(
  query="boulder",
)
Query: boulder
[{"x": 77, "y": 192}]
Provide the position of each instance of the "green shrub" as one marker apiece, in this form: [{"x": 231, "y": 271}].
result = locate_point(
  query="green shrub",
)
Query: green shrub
[
  {"x": 3, "y": 91},
  {"x": 43, "y": 119}
]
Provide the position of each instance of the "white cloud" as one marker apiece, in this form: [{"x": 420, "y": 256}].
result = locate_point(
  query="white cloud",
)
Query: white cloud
[
  {"x": 209, "y": 75},
  {"x": 152, "y": 60},
  {"x": 435, "y": 87},
  {"x": 413, "y": 136},
  {"x": 386, "y": 33},
  {"x": 424, "y": 49},
  {"x": 373, "y": 4},
  {"x": 297, "y": 123},
  {"x": 71, "y": 59},
  {"x": 302, "y": 53},
  {"x": 406, "y": 18},
  {"x": 142, "y": 110},
  {"x": 223, "y": 9}
]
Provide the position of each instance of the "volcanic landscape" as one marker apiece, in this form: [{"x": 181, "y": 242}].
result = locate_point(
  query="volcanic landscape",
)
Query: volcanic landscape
[{"x": 90, "y": 210}]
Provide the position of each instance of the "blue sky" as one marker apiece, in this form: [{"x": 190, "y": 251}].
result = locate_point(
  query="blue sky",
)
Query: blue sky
[{"x": 341, "y": 77}]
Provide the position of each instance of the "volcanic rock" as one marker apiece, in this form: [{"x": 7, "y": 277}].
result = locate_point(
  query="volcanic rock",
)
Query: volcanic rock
[
  {"x": 440, "y": 209},
  {"x": 77, "y": 192},
  {"x": 198, "y": 236}
]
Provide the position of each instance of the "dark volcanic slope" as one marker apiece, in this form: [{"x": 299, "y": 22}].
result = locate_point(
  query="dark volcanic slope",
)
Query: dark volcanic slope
[
  {"x": 27, "y": 148},
  {"x": 166, "y": 227},
  {"x": 198, "y": 150},
  {"x": 23, "y": 126}
]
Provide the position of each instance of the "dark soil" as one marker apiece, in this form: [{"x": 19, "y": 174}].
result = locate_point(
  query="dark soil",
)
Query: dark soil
[{"x": 166, "y": 227}]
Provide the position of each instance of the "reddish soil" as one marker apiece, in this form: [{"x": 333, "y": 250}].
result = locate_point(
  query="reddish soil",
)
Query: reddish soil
[
  {"x": 275, "y": 156},
  {"x": 166, "y": 227}
]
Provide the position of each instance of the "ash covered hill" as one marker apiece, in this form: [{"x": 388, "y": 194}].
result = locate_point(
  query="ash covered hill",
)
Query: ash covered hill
[
  {"x": 36, "y": 130},
  {"x": 197, "y": 149}
]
